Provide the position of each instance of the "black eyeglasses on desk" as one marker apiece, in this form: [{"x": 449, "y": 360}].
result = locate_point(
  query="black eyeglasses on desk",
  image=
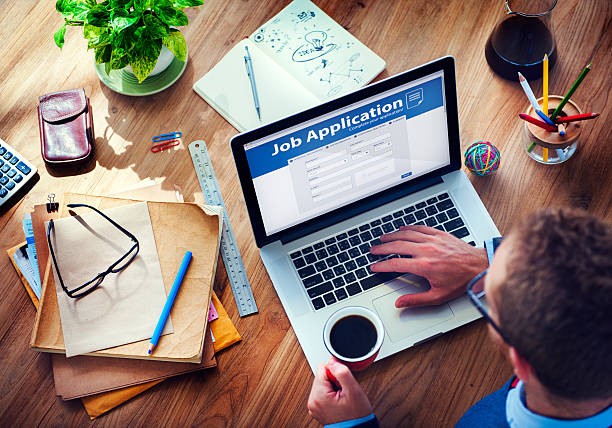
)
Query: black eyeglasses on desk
[
  {"x": 478, "y": 283},
  {"x": 116, "y": 267}
]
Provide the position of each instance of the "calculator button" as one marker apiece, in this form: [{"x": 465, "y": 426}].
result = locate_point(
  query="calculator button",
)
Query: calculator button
[
  {"x": 7, "y": 155},
  {"x": 11, "y": 173},
  {"x": 10, "y": 185},
  {"x": 14, "y": 160},
  {"x": 25, "y": 170},
  {"x": 5, "y": 168},
  {"x": 17, "y": 178},
  {"x": 2, "y": 150},
  {"x": 3, "y": 192},
  {"x": 4, "y": 180}
]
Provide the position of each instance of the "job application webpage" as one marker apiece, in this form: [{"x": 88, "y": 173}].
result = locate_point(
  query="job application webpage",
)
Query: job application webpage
[{"x": 349, "y": 154}]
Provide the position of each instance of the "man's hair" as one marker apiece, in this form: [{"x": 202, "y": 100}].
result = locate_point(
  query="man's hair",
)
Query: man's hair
[{"x": 556, "y": 305}]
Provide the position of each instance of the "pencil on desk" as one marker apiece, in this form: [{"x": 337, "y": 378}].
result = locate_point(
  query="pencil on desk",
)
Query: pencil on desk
[
  {"x": 532, "y": 99},
  {"x": 537, "y": 122},
  {"x": 170, "y": 301},
  {"x": 576, "y": 117},
  {"x": 545, "y": 84},
  {"x": 571, "y": 91}
]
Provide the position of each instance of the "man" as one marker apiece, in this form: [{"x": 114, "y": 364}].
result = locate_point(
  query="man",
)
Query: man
[{"x": 549, "y": 292}]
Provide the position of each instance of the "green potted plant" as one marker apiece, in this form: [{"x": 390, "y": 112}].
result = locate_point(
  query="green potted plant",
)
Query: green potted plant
[{"x": 128, "y": 32}]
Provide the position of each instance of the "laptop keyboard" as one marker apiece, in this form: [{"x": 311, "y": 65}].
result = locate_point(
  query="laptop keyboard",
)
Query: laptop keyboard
[{"x": 338, "y": 266}]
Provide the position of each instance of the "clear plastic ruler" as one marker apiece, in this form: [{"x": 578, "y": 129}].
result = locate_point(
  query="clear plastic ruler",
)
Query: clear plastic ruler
[{"x": 229, "y": 248}]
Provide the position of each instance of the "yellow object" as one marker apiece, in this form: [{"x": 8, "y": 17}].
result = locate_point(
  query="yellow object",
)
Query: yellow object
[
  {"x": 545, "y": 85},
  {"x": 544, "y": 154}
]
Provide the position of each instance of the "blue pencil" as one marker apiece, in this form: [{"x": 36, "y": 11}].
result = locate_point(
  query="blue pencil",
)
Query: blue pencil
[{"x": 170, "y": 301}]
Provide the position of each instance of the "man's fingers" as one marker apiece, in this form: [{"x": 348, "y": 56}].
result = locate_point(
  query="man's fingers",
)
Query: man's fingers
[{"x": 427, "y": 298}]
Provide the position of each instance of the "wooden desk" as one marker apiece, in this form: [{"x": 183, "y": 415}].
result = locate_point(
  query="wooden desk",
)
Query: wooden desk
[{"x": 265, "y": 380}]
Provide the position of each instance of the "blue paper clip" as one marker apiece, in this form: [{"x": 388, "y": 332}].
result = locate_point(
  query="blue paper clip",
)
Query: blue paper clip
[{"x": 166, "y": 137}]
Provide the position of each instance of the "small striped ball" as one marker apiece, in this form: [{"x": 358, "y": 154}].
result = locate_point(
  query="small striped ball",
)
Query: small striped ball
[{"x": 482, "y": 158}]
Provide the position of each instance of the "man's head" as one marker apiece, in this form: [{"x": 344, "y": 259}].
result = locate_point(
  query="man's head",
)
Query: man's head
[{"x": 550, "y": 290}]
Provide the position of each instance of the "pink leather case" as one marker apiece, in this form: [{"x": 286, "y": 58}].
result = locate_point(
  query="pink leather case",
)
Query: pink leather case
[{"x": 66, "y": 128}]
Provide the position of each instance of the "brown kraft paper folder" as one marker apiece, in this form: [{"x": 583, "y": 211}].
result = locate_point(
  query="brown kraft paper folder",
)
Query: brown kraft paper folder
[
  {"x": 177, "y": 227},
  {"x": 81, "y": 376}
]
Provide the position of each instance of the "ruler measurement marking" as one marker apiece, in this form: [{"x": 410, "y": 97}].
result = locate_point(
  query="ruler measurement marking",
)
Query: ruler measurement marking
[{"x": 229, "y": 248}]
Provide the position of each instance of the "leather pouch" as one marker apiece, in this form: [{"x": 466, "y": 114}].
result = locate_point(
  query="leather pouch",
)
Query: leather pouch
[{"x": 66, "y": 128}]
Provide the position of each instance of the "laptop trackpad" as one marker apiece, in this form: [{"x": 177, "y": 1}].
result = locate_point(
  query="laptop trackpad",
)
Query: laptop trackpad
[{"x": 401, "y": 323}]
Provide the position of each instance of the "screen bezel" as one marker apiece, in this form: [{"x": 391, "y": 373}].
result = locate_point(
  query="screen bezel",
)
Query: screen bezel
[{"x": 238, "y": 142}]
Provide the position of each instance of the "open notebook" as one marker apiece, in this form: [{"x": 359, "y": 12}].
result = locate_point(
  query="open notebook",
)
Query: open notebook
[{"x": 300, "y": 58}]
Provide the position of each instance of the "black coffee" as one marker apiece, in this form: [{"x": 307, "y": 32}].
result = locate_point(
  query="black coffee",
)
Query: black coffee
[
  {"x": 519, "y": 44},
  {"x": 353, "y": 336}
]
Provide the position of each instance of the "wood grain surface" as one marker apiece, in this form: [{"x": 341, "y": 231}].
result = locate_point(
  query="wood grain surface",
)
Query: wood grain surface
[{"x": 265, "y": 380}]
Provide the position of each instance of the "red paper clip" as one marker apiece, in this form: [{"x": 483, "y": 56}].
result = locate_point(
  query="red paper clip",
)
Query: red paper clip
[{"x": 165, "y": 145}]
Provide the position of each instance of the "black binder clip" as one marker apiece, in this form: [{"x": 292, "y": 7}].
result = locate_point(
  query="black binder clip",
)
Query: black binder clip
[{"x": 52, "y": 206}]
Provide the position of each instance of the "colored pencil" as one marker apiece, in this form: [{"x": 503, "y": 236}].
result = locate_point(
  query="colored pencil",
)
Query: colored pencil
[
  {"x": 545, "y": 154},
  {"x": 571, "y": 91},
  {"x": 532, "y": 99},
  {"x": 562, "y": 129},
  {"x": 537, "y": 122},
  {"x": 545, "y": 85},
  {"x": 576, "y": 117}
]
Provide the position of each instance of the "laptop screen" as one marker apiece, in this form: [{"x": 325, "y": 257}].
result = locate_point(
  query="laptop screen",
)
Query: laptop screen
[{"x": 349, "y": 153}]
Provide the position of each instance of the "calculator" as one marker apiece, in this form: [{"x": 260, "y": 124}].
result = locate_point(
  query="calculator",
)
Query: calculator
[{"x": 15, "y": 171}]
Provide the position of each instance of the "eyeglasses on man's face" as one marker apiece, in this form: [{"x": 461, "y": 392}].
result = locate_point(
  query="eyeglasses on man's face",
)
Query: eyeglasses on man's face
[
  {"x": 119, "y": 265},
  {"x": 476, "y": 291}
]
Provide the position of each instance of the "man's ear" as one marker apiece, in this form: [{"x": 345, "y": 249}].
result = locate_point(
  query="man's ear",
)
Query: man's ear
[{"x": 522, "y": 369}]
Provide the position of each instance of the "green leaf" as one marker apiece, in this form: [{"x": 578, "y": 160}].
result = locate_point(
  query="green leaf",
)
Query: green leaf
[
  {"x": 99, "y": 16},
  {"x": 59, "y": 36},
  {"x": 96, "y": 36},
  {"x": 182, "y": 4},
  {"x": 73, "y": 10},
  {"x": 175, "y": 42},
  {"x": 119, "y": 59},
  {"x": 144, "y": 57},
  {"x": 172, "y": 17},
  {"x": 121, "y": 19},
  {"x": 154, "y": 27},
  {"x": 103, "y": 54}
]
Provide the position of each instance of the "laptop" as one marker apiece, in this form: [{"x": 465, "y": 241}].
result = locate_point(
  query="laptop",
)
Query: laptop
[{"x": 323, "y": 185}]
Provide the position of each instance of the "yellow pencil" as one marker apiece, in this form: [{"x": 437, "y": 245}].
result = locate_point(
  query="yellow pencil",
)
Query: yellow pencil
[
  {"x": 544, "y": 154},
  {"x": 545, "y": 85}
]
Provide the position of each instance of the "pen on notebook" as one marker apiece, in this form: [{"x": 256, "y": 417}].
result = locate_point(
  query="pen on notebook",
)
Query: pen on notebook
[
  {"x": 537, "y": 122},
  {"x": 170, "y": 301},
  {"x": 571, "y": 91},
  {"x": 248, "y": 62},
  {"x": 532, "y": 99},
  {"x": 576, "y": 117}
]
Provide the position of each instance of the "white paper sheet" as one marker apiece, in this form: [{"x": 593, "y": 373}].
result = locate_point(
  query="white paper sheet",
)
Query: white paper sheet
[{"x": 126, "y": 306}]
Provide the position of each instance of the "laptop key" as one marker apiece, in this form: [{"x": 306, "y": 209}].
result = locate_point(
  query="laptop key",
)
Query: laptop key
[
  {"x": 364, "y": 227},
  {"x": 328, "y": 274},
  {"x": 388, "y": 227},
  {"x": 361, "y": 261},
  {"x": 333, "y": 249},
  {"x": 339, "y": 270},
  {"x": 377, "y": 279},
  {"x": 295, "y": 254},
  {"x": 307, "y": 250},
  {"x": 453, "y": 224},
  {"x": 452, "y": 213},
  {"x": 461, "y": 233},
  {"x": 318, "y": 303},
  {"x": 421, "y": 205},
  {"x": 322, "y": 253},
  {"x": 342, "y": 257},
  {"x": 431, "y": 201},
  {"x": 352, "y": 232},
  {"x": 364, "y": 248},
  {"x": 387, "y": 218},
  {"x": 299, "y": 263},
  {"x": 361, "y": 273},
  {"x": 354, "y": 240},
  {"x": 350, "y": 265},
  {"x": 341, "y": 294},
  {"x": 431, "y": 210},
  {"x": 354, "y": 252},
  {"x": 349, "y": 277},
  {"x": 365, "y": 236},
  {"x": 330, "y": 241},
  {"x": 306, "y": 271},
  {"x": 312, "y": 280},
  {"x": 444, "y": 205},
  {"x": 398, "y": 223},
  {"x": 329, "y": 298},
  {"x": 338, "y": 282},
  {"x": 442, "y": 217},
  {"x": 420, "y": 214},
  {"x": 319, "y": 245},
  {"x": 353, "y": 289},
  {"x": 443, "y": 196},
  {"x": 472, "y": 243},
  {"x": 377, "y": 222},
  {"x": 320, "y": 265},
  {"x": 376, "y": 232},
  {"x": 410, "y": 209},
  {"x": 344, "y": 245},
  {"x": 310, "y": 258},
  {"x": 431, "y": 221},
  {"x": 409, "y": 219},
  {"x": 326, "y": 287},
  {"x": 398, "y": 214}
]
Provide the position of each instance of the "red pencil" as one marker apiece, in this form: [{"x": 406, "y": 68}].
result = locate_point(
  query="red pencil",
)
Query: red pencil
[
  {"x": 583, "y": 116},
  {"x": 332, "y": 379},
  {"x": 538, "y": 122}
]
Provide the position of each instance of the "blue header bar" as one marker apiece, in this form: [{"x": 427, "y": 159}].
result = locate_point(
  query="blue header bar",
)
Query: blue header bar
[{"x": 412, "y": 102}]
